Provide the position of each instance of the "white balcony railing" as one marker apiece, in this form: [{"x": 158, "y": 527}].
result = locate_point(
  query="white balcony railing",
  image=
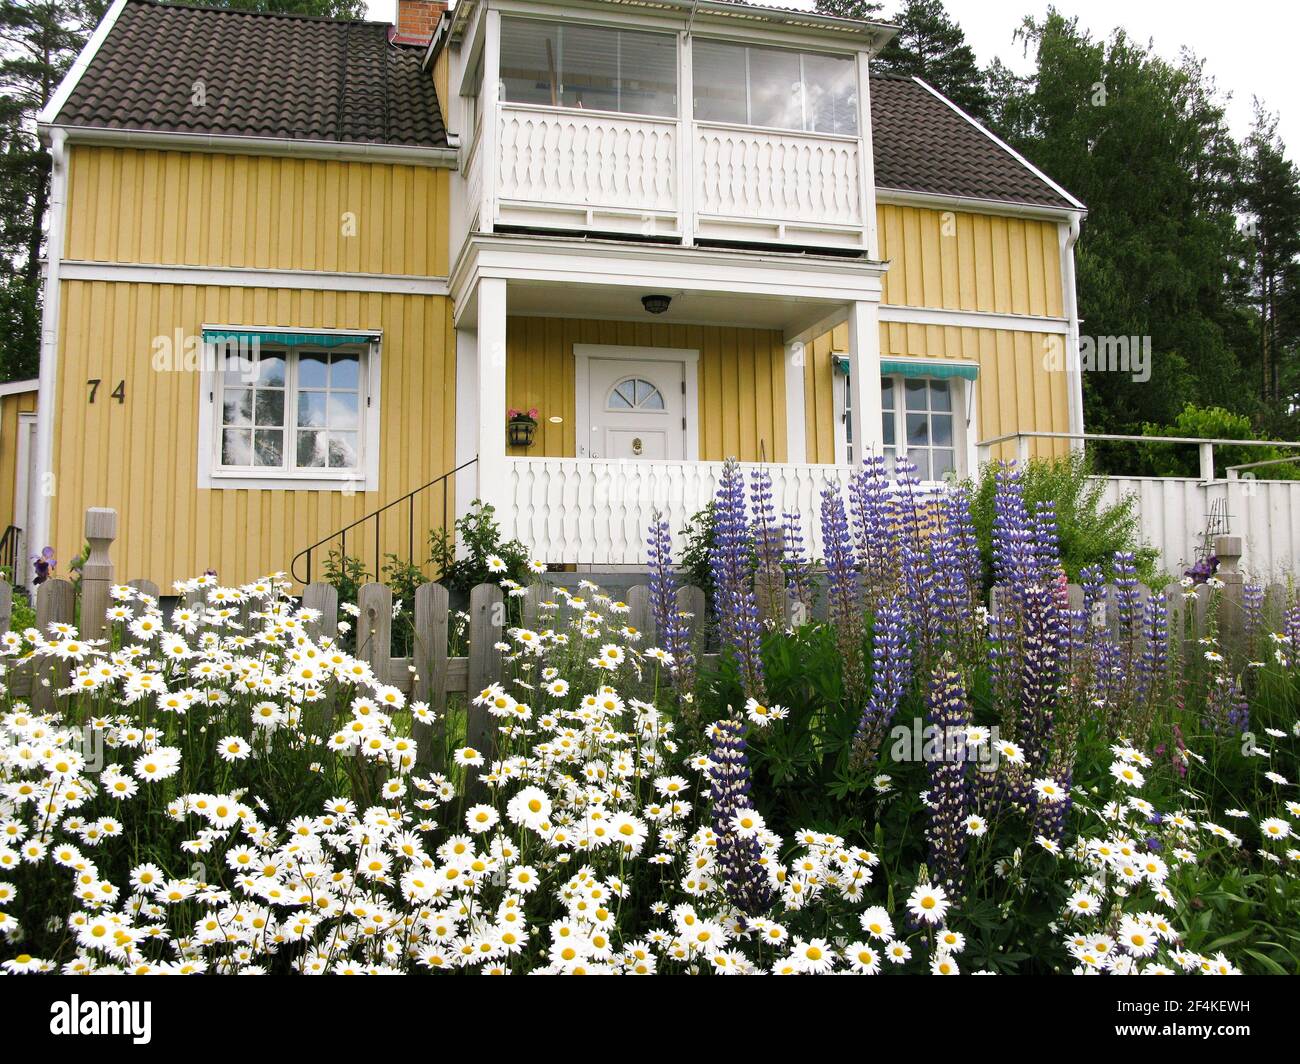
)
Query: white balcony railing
[
  {"x": 786, "y": 180},
  {"x": 570, "y": 169},
  {"x": 595, "y": 511},
  {"x": 618, "y": 168}
]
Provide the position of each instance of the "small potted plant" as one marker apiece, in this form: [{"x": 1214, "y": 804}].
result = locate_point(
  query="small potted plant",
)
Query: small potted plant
[{"x": 521, "y": 426}]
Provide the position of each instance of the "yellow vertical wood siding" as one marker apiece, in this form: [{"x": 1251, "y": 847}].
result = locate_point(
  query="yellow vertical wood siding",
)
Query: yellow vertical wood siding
[
  {"x": 140, "y": 456},
  {"x": 957, "y": 260},
  {"x": 10, "y": 407},
  {"x": 741, "y": 381},
  {"x": 198, "y": 209}
]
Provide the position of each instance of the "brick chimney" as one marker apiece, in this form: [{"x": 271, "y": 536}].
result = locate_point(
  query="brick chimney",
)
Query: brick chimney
[{"x": 416, "y": 20}]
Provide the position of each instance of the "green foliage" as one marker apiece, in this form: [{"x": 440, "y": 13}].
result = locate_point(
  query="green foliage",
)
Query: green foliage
[
  {"x": 346, "y": 573},
  {"x": 696, "y": 563},
  {"x": 1213, "y": 422},
  {"x": 479, "y": 536},
  {"x": 1091, "y": 530}
]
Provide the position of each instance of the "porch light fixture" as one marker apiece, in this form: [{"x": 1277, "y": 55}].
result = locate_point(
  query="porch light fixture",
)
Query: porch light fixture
[{"x": 656, "y": 304}]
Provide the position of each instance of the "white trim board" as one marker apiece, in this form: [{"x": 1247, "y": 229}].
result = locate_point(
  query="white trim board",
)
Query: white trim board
[
  {"x": 972, "y": 319},
  {"x": 19, "y": 387},
  {"x": 237, "y": 277},
  {"x": 690, "y": 359}
]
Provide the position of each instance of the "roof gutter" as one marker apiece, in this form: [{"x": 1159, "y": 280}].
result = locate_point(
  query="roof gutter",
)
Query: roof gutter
[
  {"x": 47, "y": 381},
  {"x": 1073, "y": 366},
  {"x": 404, "y": 154}
]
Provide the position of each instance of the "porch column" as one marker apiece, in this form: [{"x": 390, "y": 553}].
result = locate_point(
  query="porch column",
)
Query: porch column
[
  {"x": 493, "y": 486},
  {"x": 796, "y": 433},
  {"x": 864, "y": 378}
]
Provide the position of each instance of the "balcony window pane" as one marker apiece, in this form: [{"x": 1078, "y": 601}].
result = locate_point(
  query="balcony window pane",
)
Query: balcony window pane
[
  {"x": 774, "y": 89},
  {"x": 594, "y": 68},
  {"x": 589, "y": 68},
  {"x": 720, "y": 93},
  {"x": 530, "y": 61},
  {"x": 831, "y": 88},
  {"x": 647, "y": 73}
]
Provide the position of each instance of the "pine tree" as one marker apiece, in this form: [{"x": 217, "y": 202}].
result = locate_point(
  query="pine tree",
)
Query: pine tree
[
  {"x": 931, "y": 46},
  {"x": 1272, "y": 201},
  {"x": 862, "y": 9},
  {"x": 340, "y": 9}
]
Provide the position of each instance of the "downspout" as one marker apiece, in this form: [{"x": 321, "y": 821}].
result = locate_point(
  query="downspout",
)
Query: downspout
[
  {"x": 1073, "y": 369},
  {"x": 47, "y": 380}
]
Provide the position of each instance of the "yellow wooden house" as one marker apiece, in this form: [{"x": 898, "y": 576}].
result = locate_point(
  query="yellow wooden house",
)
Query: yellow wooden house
[{"x": 302, "y": 270}]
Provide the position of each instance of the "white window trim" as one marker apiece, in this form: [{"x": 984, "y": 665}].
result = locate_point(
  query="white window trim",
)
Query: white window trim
[
  {"x": 965, "y": 429},
  {"x": 213, "y": 476},
  {"x": 690, "y": 359}
]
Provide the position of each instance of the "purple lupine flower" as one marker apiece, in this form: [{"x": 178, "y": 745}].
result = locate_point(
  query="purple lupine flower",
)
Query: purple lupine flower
[
  {"x": 844, "y": 590},
  {"x": 891, "y": 673},
  {"x": 871, "y": 507},
  {"x": 732, "y": 561},
  {"x": 949, "y": 713},
  {"x": 674, "y": 636},
  {"x": 1227, "y": 712},
  {"x": 770, "y": 577},
  {"x": 1252, "y": 611},
  {"x": 1032, "y": 627},
  {"x": 44, "y": 564},
  {"x": 795, "y": 560},
  {"x": 743, "y": 878},
  {"x": 1153, "y": 665},
  {"x": 1292, "y": 630}
]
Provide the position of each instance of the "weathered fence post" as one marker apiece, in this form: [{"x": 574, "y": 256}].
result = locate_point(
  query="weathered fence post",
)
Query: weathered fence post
[
  {"x": 375, "y": 629},
  {"x": 692, "y": 605},
  {"x": 640, "y": 615},
  {"x": 533, "y": 599},
  {"x": 97, "y": 571},
  {"x": 1228, "y": 550},
  {"x": 6, "y": 604},
  {"x": 487, "y": 618},
  {"x": 56, "y": 603},
  {"x": 324, "y": 598},
  {"x": 429, "y": 656}
]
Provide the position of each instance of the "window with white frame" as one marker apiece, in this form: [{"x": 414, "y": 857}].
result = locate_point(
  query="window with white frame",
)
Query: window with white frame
[
  {"x": 600, "y": 68},
  {"x": 774, "y": 87},
  {"x": 919, "y": 418},
  {"x": 293, "y": 411}
]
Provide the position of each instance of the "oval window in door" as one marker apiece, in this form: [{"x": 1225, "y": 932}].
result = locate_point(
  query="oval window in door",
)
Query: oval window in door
[{"x": 634, "y": 394}]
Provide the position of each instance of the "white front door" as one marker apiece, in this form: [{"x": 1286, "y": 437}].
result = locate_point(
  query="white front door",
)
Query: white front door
[{"x": 637, "y": 409}]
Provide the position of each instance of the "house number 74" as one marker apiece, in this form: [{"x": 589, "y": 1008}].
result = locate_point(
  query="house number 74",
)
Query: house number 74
[{"x": 118, "y": 393}]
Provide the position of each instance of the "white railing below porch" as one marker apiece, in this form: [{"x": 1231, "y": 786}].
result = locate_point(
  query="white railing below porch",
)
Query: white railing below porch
[{"x": 597, "y": 511}]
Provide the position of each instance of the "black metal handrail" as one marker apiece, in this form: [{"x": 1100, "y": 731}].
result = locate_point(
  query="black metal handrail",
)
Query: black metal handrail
[
  {"x": 342, "y": 534},
  {"x": 9, "y": 551}
]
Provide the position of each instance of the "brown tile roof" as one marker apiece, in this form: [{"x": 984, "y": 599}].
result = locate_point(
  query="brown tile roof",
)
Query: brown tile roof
[
  {"x": 283, "y": 76},
  {"x": 922, "y": 145}
]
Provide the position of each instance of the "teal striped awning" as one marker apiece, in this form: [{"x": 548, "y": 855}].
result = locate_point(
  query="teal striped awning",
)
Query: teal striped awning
[
  {"x": 286, "y": 339},
  {"x": 938, "y": 369}
]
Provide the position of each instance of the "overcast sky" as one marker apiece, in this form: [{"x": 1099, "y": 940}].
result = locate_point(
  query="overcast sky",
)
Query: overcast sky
[{"x": 1249, "y": 45}]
